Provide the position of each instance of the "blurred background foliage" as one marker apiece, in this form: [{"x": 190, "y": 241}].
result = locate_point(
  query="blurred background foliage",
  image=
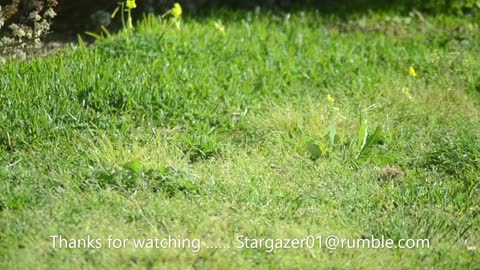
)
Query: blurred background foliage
[
  {"x": 78, "y": 15},
  {"x": 73, "y": 17}
]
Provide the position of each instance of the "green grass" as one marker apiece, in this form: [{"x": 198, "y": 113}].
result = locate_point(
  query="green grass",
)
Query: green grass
[{"x": 197, "y": 134}]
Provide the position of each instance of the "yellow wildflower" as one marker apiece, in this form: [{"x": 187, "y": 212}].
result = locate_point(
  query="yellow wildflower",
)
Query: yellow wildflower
[
  {"x": 411, "y": 71},
  {"x": 330, "y": 99},
  {"x": 131, "y": 4},
  {"x": 176, "y": 11}
]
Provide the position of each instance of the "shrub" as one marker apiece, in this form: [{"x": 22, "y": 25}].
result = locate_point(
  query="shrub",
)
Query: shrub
[{"x": 23, "y": 23}]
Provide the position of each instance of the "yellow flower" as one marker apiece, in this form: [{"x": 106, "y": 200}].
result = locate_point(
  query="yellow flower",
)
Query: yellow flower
[
  {"x": 411, "y": 72},
  {"x": 177, "y": 11},
  {"x": 330, "y": 99},
  {"x": 131, "y": 4}
]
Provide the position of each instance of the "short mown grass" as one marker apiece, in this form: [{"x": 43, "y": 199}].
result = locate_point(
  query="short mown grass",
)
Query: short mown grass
[{"x": 207, "y": 134}]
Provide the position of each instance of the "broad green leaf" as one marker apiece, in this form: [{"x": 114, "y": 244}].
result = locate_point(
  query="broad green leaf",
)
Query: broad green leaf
[
  {"x": 332, "y": 134},
  {"x": 382, "y": 159},
  {"x": 94, "y": 35},
  {"x": 314, "y": 150},
  {"x": 115, "y": 12},
  {"x": 362, "y": 135},
  {"x": 133, "y": 166},
  {"x": 81, "y": 42},
  {"x": 371, "y": 140},
  {"x": 105, "y": 30}
]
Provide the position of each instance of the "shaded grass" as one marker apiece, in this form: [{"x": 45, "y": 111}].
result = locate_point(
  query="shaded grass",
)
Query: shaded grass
[{"x": 198, "y": 134}]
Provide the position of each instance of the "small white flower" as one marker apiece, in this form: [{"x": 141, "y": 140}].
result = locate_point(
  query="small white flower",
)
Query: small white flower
[
  {"x": 17, "y": 30},
  {"x": 50, "y": 13},
  {"x": 35, "y": 16}
]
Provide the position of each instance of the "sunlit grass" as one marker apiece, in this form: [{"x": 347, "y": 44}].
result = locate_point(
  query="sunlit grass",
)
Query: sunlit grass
[{"x": 265, "y": 129}]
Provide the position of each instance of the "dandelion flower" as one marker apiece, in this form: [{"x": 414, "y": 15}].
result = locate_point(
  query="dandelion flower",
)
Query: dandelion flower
[
  {"x": 330, "y": 99},
  {"x": 411, "y": 71},
  {"x": 177, "y": 11},
  {"x": 131, "y": 4}
]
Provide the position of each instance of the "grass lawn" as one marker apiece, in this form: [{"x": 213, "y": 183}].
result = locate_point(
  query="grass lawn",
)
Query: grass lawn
[{"x": 261, "y": 126}]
